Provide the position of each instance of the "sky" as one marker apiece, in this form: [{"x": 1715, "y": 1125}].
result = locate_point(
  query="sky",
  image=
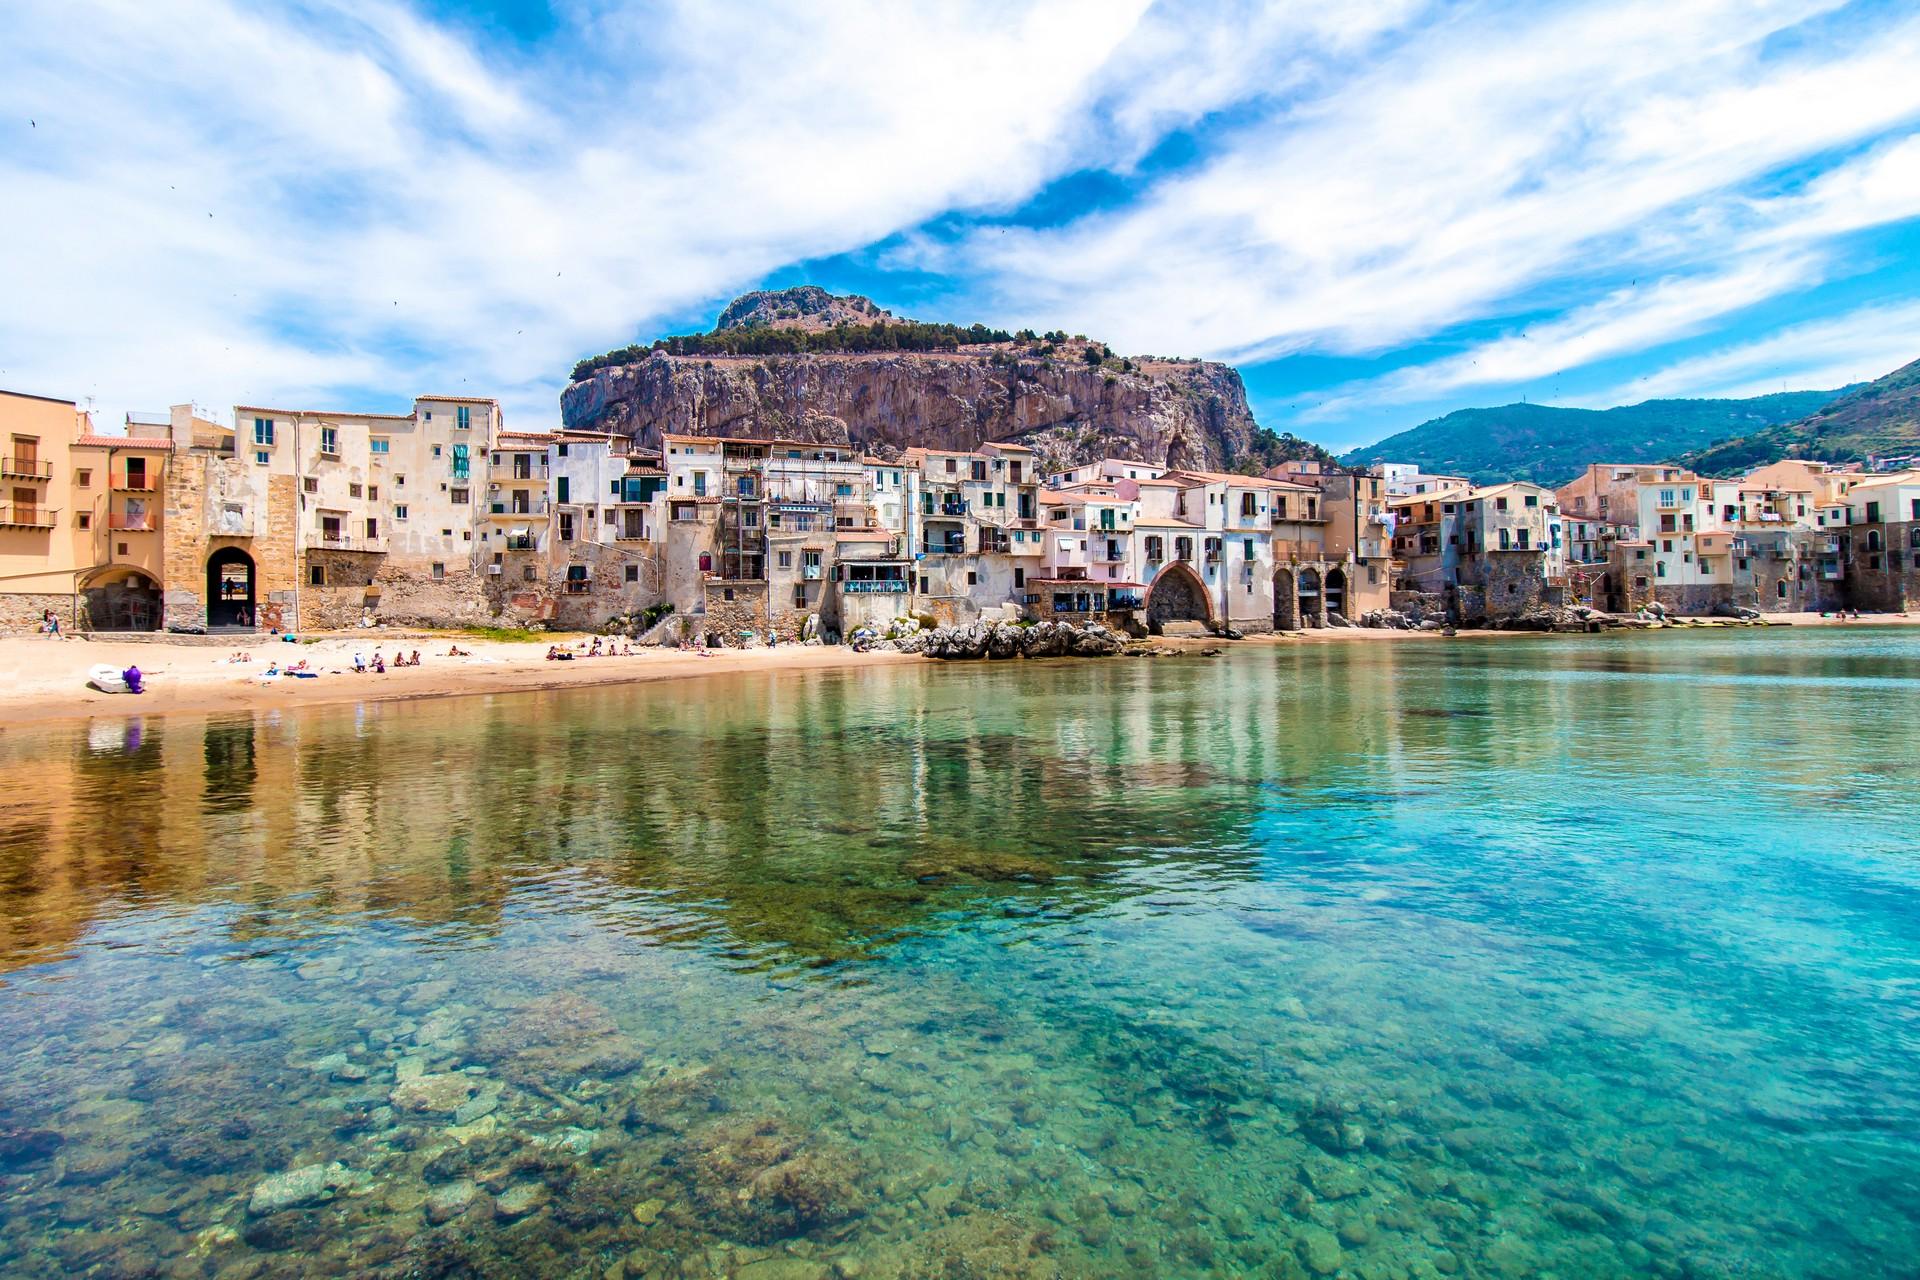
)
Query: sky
[{"x": 1380, "y": 210}]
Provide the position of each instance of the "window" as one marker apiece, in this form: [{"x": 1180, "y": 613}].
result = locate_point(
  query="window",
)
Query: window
[
  {"x": 1499, "y": 504},
  {"x": 1246, "y": 545},
  {"x": 263, "y": 431},
  {"x": 400, "y": 512},
  {"x": 973, "y": 579},
  {"x": 310, "y": 485},
  {"x": 633, "y": 570},
  {"x": 526, "y": 573},
  {"x": 1503, "y": 534},
  {"x": 439, "y": 570},
  {"x": 786, "y": 559},
  {"x": 1660, "y": 569},
  {"x": 354, "y": 490},
  {"x": 923, "y": 584},
  {"x": 86, "y": 519},
  {"x": 1873, "y": 513},
  {"x": 330, "y": 441},
  {"x": 378, "y": 444},
  {"x": 1019, "y": 577},
  {"x": 463, "y": 418},
  {"x": 562, "y": 492},
  {"x": 85, "y": 478},
  {"x": 399, "y": 482},
  {"x": 1247, "y": 505},
  {"x": 373, "y": 528},
  {"x": 316, "y": 575},
  {"x": 460, "y": 496},
  {"x": 566, "y": 526},
  {"x": 261, "y": 457}
]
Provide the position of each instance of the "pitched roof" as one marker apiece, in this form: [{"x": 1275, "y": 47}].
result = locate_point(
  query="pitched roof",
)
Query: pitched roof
[
  {"x": 1163, "y": 522},
  {"x": 1236, "y": 480}
]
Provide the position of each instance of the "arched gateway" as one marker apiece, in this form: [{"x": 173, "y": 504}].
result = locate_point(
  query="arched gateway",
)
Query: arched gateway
[
  {"x": 1177, "y": 595},
  {"x": 1286, "y": 607},
  {"x": 230, "y": 589}
]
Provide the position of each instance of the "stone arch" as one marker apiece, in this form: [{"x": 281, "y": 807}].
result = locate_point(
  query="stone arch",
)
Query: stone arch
[
  {"x": 1286, "y": 606},
  {"x": 1313, "y": 612},
  {"x": 1177, "y": 595},
  {"x": 232, "y": 589},
  {"x": 121, "y": 597},
  {"x": 1334, "y": 597}
]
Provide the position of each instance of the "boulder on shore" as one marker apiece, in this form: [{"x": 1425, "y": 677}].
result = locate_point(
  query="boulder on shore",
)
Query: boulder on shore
[{"x": 1016, "y": 640}]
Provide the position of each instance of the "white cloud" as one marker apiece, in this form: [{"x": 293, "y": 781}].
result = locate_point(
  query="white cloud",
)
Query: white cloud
[
  {"x": 1857, "y": 346},
  {"x": 1473, "y": 163},
  {"x": 395, "y": 205}
]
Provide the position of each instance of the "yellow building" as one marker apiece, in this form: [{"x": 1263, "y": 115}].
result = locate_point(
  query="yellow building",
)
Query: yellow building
[{"x": 80, "y": 518}]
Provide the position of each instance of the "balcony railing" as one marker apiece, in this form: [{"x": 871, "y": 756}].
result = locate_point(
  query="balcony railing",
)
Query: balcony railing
[
  {"x": 132, "y": 524},
  {"x": 508, "y": 510},
  {"x": 952, "y": 547},
  {"x": 16, "y": 516},
  {"x": 579, "y": 586},
  {"x": 880, "y": 586},
  {"x": 523, "y": 542},
  {"x": 347, "y": 542},
  {"x": 26, "y": 469},
  {"x": 504, "y": 467},
  {"x": 136, "y": 481}
]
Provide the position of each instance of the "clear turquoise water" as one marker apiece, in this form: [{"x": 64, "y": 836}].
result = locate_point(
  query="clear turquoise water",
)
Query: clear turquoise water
[{"x": 1559, "y": 956}]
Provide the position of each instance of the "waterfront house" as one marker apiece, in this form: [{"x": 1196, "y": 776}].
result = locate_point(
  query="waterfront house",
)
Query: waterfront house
[{"x": 80, "y": 517}]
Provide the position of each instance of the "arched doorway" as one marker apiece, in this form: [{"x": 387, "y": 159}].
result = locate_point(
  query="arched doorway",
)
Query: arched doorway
[
  {"x": 230, "y": 590},
  {"x": 1286, "y": 609},
  {"x": 1177, "y": 595},
  {"x": 1312, "y": 608},
  {"x": 1604, "y": 596},
  {"x": 1336, "y": 592},
  {"x": 119, "y": 598}
]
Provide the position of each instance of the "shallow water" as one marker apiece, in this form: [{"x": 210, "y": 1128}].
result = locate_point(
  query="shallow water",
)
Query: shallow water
[{"x": 1568, "y": 956}]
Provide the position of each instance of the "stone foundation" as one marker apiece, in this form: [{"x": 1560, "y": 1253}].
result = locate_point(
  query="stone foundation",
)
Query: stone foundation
[
  {"x": 746, "y": 611},
  {"x": 21, "y": 612}
]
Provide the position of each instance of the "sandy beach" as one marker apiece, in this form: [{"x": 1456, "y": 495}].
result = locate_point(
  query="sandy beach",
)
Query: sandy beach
[{"x": 43, "y": 679}]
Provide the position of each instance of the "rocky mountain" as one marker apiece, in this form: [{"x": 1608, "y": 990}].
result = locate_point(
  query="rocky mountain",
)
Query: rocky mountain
[
  {"x": 1550, "y": 446},
  {"x": 1876, "y": 420},
  {"x": 802, "y": 364}
]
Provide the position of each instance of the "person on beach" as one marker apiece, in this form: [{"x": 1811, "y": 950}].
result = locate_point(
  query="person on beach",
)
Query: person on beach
[
  {"x": 50, "y": 624},
  {"x": 359, "y": 665},
  {"x": 455, "y": 651},
  {"x": 379, "y": 666},
  {"x": 132, "y": 676},
  {"x": 414, "y": 661}
]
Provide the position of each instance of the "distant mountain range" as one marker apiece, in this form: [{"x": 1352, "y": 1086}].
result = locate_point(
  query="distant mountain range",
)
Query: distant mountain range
[
  {"x": 1551, "y": 446},
  {"x": 1875, "y": 420}
]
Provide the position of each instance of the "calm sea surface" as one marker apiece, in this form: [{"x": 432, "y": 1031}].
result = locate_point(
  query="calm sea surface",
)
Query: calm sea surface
[{"x": 1568, "y": 956}]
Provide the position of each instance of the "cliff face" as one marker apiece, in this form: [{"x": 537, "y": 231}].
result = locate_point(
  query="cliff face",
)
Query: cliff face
[{"x": 1175, "y": 413}]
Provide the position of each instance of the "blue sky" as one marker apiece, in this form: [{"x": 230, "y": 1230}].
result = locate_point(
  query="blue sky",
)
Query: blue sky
[{"x": 1380, "y": 210}]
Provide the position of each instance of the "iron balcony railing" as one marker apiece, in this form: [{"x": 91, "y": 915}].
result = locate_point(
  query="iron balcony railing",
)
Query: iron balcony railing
[
  {"x": 25, "y": 517},
  {"x": 881, "y": 586}
]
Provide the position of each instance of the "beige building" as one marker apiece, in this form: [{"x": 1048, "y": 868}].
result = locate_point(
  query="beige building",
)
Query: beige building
[{"x": 80, "y": 518}]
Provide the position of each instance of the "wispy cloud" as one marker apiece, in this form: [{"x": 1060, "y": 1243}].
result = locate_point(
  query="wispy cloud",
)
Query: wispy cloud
[
  {"x": 1857, "y": 346},
  {"x": 345, "y": 199}
]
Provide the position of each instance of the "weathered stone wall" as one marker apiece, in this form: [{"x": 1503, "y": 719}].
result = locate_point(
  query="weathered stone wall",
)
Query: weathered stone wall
[
  {"x": 21, "y": 612},
  {"x": 1510, "y": 584},
  {"x": 746, "y": 611},
  {"x": 1883, "y": 577}
]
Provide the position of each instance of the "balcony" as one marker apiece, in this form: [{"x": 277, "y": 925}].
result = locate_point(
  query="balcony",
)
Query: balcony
[
  {"x": 522, "y": 542},
  {"x": 324, "y": 541},
  {"x": 26, "y": 469},
  {"x": 506, "y": 467},
  {"x": 135, "y": 482},
  {"x": 950, "y": 547},
  {"x": 513, "y": 511},
  {"x": 579, "y": 586},
  {"x": 14, "y": 515},
  {"x": 121, "y": 521},
  {"x": 882, "y": 586},
  {"x": 632, "y": 533},
  {"x": 810, "y": 572}
]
